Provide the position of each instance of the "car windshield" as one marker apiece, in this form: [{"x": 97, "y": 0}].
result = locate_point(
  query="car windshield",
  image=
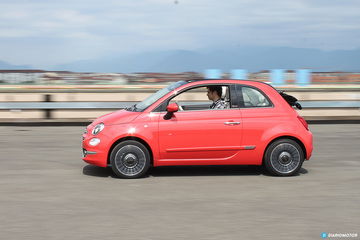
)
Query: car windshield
[{"x": 156, "y": 96}]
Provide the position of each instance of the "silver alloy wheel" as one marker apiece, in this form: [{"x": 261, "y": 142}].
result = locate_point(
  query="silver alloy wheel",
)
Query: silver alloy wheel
[
  {"x": 130, "y": 160},
  {"x": 285, "y": 158}
]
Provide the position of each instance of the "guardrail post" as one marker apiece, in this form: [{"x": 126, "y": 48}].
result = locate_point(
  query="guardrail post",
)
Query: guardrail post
[
  {"x": 47, "y": 98},
  {"x": 239, "y": 74}
]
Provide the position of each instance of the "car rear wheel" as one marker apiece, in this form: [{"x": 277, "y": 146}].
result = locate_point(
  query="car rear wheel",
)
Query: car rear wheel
[
  {"x": 130, "y": 159},
  {"x": 284, "y": 157}
]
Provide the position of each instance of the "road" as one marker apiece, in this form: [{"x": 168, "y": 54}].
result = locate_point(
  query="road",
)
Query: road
[{"x": 47, "y": 192}]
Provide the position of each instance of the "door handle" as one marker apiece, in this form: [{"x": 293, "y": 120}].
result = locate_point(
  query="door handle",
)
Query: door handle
[{"x": 231, "y": 123}]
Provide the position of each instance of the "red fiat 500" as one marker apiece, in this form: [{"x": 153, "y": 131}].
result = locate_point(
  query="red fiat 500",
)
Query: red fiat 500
[{"x": 178, "y": 125}]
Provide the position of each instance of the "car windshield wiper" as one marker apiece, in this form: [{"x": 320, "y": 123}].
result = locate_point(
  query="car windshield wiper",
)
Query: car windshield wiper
[{"x": 133, "y": 108}]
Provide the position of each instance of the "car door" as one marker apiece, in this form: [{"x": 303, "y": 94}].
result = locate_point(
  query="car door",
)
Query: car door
[{"x": 198, "y": 137}]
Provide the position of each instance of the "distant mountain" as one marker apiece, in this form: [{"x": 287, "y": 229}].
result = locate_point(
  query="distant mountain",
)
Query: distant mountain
[
  {"x": 8, "y": 66},
  {"x": 250, "y": 58},
  {"x": 162, "y": 61}
]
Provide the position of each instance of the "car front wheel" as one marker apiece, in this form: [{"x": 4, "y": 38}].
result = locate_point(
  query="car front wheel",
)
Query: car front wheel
[
  {"x": 130, "y": 159},
  {"x": 284, "y": 157}
]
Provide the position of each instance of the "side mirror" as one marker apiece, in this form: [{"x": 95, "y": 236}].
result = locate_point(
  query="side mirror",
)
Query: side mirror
[{"x": 171, "y": 108}]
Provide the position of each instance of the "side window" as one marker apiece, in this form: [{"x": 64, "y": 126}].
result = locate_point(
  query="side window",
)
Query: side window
[
  {"x": 254, "y": 98},
  {"x": 197, "y": 99},
  {"x": 192, "y": 99}
]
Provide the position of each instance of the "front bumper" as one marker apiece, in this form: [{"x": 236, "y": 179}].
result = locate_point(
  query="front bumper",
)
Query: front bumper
[
  {"x": 94, "y": 155},
  {"x": 86, "y": 152}
]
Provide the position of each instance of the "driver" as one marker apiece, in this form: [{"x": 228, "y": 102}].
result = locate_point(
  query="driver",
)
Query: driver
[{"x": 214, "y": 94}]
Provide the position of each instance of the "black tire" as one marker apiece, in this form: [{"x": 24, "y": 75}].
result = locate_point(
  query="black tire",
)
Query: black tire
[
  {"x": 130, "y": 159},
  {"x": 284, "y": 157}
]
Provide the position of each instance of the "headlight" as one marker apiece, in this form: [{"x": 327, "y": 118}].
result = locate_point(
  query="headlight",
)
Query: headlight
[
  {"x": 94, "y": 141},
  {"x": 98, "y": 128}
]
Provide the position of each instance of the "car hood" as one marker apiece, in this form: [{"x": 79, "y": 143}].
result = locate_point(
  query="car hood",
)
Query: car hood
[{"x": 118, "y": 117}]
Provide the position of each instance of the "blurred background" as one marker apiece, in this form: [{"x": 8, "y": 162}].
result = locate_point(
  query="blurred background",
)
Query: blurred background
[
  {"x": 65, "y": 63},
  {"x": 79, "y": 59}
]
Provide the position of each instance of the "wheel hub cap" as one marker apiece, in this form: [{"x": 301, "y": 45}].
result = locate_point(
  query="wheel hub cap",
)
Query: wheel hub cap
[
  {"x": 130, "y": 160},
  {"x": 285, "y": 158}
]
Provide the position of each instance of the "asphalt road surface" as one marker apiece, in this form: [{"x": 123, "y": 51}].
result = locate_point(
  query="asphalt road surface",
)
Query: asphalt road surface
[{"x": 47, "y": 192}]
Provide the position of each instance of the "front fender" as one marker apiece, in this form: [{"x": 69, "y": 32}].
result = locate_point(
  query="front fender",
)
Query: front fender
[{"x": 146, "y": 132}]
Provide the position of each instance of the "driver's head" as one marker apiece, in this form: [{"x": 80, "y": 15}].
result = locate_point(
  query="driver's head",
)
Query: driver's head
[{"x": 214, "y": 92}]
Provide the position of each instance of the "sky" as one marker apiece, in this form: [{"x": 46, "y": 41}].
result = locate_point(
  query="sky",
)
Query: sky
[{"x": 42, "y": 33}]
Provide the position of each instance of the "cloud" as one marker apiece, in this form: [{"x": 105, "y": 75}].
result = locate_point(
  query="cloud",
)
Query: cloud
[{"x": 110, "y": 26}]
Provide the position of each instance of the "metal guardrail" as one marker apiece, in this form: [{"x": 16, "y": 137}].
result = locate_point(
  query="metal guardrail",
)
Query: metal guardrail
[
  {"x": 346, "y": 108},
  {"x": 63, "y": 105},
  {"x": 330, "y": 104},
  {"x": 121, "y": 105},
  {"x": 49, "y": 107}
]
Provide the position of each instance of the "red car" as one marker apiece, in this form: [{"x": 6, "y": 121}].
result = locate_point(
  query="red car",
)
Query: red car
[{"x": 178, "y": 125}]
